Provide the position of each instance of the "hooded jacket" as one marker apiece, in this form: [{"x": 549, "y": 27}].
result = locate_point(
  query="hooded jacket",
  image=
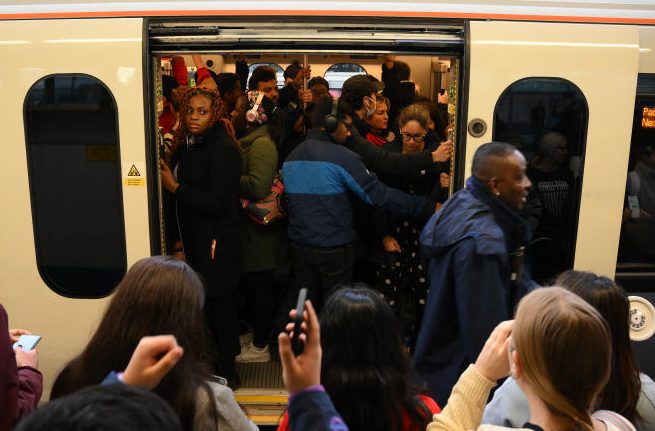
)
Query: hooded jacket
[{"x": 471, "y": 288}]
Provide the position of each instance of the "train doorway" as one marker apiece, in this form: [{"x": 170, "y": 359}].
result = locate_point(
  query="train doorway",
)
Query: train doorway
[{"x": 434, "y": 51}]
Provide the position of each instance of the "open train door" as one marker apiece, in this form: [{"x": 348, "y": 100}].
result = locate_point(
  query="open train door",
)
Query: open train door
[{"x": 548, "y": 87}]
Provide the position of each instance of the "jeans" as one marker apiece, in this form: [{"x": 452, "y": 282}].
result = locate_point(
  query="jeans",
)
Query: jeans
[{"x": 321, "y": 270}]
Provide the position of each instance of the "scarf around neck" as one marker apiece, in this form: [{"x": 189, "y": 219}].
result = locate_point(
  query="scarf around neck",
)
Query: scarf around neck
[{"x": 514, "y": 227}]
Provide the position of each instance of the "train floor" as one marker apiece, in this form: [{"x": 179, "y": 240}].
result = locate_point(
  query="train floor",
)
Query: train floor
[{"x": 262, "y": 393}]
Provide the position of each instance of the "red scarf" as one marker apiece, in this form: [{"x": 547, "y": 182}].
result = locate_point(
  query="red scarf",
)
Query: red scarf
[{"x": 375, "y": 139}]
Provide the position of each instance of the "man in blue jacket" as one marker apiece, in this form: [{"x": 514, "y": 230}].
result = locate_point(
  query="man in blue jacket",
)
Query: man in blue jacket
[
  {"x": 321, "y": 178},
  {"x": 475, "y": 246}
]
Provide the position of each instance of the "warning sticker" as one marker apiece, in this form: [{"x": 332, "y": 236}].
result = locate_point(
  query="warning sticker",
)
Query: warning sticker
[{"x": 135, "y": 175}]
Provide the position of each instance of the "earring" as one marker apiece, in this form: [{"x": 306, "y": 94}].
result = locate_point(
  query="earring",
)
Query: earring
[{"x": 497, "y": 193}]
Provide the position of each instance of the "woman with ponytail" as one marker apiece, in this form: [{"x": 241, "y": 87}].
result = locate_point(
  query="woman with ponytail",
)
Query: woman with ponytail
[
  {"x": 560, "y": 354},
  {"x": 203, "y": 178}
]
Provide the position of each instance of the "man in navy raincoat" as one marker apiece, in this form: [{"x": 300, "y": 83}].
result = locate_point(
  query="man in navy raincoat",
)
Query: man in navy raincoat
[{"x": 475, "y": 246}]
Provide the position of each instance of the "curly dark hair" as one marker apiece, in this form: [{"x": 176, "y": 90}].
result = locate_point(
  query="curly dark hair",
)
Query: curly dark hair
[{"x": 219, "y": 114}]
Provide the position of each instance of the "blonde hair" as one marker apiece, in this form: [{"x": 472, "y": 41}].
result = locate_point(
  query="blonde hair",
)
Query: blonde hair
[{"x": 564, "y": 348}]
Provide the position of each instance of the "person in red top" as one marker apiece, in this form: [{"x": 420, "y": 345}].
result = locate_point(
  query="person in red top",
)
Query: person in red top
[
  {"x": 21, "y": 384},
  {"x": 366, "y": 370},
  {"x": 378, "y": 121}
]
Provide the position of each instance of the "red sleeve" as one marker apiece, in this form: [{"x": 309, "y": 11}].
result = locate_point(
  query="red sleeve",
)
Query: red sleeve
[
  {"x": 179, "y": 70},
  {"x": 430, "y": 404},
  {"x": 284, "y": 423},
  {"x": 30, "y": 388},
  {"x": 203, "y": 74},
  {"x": 8, "y": 375}
]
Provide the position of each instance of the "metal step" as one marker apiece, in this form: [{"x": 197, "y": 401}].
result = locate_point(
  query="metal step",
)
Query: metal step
[{"x": 262, "y": 393}]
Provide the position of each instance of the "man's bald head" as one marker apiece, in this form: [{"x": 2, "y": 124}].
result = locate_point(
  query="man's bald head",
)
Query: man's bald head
[
  {"x": 489, "y": 160},
  {"x": 501, "y": 168}
]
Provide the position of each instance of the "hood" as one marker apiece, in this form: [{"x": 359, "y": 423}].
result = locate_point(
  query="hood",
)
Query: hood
[{"x": 463, "y": 216}]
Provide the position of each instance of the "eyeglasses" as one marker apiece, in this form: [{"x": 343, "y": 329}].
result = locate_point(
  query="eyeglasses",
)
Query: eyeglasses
[{"x": 417, "y": 138}]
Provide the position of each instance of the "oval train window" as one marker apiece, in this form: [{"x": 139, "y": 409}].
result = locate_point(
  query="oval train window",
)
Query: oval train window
[
  {"x": 546, "y": 119},
  {"x": 71, "y": 128},
  {"x": 338, "y": 73},
  {"x": 279, "y": 72}
]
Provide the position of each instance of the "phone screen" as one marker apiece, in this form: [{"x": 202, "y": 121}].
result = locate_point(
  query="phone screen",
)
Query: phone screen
[
  {"x": 27, "y": 342},
  {"x": 296, "y": 344}
]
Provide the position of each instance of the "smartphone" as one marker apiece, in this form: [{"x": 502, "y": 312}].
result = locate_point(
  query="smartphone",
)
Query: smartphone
[
  {"x": 27, "y": 342},
  {"x": 297, "y": 345}
]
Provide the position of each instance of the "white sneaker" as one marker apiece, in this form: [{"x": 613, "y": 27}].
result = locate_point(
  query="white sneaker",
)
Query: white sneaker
[{"x": 251, "y": 353}]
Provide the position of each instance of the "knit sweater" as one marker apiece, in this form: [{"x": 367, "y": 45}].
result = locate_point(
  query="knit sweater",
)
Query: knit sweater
[{"x": 465, "y": 406}]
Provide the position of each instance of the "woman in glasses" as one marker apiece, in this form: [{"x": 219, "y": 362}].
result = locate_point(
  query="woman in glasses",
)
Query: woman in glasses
[{"x": 402, "y": 276}]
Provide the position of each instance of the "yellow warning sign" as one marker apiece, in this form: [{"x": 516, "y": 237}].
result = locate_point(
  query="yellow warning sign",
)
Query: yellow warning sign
[
  {"x": 134, "y": 172},
  {"x": 133, "y": 176}
]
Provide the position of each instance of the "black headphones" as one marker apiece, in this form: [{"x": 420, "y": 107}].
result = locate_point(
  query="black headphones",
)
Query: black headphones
[{"x": 331, "y": 122}]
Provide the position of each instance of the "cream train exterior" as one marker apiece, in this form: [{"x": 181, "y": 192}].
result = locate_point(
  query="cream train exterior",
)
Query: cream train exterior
[{"x": 589, "y": 46}]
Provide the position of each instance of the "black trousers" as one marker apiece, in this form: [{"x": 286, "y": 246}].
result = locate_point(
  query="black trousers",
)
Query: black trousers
[
  {"x": 260, "y": 294},
  {"x": 321, "y": 270},
  {"x": 223, "y": 322}
]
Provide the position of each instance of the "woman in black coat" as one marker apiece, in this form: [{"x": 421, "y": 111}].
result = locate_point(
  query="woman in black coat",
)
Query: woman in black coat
[{"x": 204, "y": 180}]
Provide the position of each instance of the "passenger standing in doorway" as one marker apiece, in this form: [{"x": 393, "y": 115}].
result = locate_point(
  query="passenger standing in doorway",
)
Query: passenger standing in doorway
[
  {"x": 264, "y": 80},
  {"x": 321, "y": 177},
  {"x": 359, "y": 98},
  {"x": 475, "y": 246},
  {"x": 402, "y": 273},
  {"x": 263, "y": 247},
  {"x": 380, "y": 134},
  {"x": 204, "y": 180}
]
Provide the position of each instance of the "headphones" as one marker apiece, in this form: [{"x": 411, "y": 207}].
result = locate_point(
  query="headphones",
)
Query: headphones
[
  {"x": 253, "y": 114},
  {"x": 331, "y": 122}
]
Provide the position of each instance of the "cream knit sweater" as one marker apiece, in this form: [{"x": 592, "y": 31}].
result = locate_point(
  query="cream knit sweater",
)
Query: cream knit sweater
[{"x": 465, "y": 406}]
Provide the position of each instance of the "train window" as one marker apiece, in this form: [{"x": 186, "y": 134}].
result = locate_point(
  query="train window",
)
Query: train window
[
  {"x": 279, "y": 72},
  {"x": 336, "y": 74},
  {"x": 71, "y": 128},
  {"x": 546, "y": 118},
  {"x": 636, "y": 246}
]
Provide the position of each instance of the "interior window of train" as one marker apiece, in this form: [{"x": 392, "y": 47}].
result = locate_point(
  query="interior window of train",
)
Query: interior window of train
[
  {"x": 71, "y": 127},
  {"x": 546, "y": 119},
  {"x": 636, "y": 245},
  {"x": 338, "y": 73},
  {"x": 279, "y": 72}
]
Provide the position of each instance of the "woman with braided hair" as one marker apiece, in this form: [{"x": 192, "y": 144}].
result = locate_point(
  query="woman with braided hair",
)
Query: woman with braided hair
[{"x": 203, "y": 177}]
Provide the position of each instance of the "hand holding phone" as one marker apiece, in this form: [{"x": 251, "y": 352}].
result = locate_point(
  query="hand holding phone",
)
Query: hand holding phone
[
  {"x": 296, "y": 344},
  {"x": 27, "y": 342},
  {"x": 304, "y": 370}
]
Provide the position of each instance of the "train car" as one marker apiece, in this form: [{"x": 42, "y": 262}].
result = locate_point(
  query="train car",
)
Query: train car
[{"x": 80, "y": 84}]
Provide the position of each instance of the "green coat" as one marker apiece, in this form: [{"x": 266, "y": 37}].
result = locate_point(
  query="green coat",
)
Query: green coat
[{"x": 263, "y": 248}]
